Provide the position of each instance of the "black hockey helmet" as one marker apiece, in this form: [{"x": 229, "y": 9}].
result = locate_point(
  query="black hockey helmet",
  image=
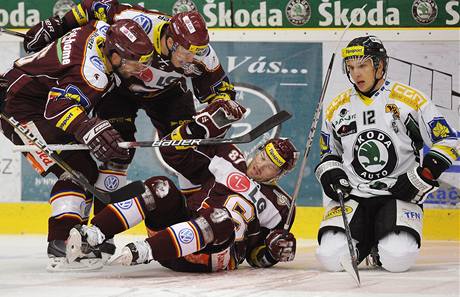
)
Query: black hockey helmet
[{"x": 363, "y": 48}]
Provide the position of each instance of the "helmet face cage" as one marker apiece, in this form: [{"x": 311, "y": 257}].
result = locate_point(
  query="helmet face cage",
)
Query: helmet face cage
[{"x": 363, "y": 48}]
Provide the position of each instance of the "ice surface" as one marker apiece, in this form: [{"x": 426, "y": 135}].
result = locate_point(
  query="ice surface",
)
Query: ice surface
[{"x": 23, "y": 260}]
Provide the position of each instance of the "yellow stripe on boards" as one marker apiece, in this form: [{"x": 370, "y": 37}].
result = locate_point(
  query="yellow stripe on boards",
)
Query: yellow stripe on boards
[{"x": 32, "y": 218}]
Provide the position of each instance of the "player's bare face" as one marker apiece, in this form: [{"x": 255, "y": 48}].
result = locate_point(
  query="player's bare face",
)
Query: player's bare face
[
  {"x": 180, "y": 57},
  {"x": 262, "y": 169},
  {"x": 362, "y": 72}
]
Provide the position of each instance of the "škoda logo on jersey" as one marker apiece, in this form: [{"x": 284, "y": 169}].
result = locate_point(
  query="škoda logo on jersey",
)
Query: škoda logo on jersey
[{"x": 374, "y": 155}]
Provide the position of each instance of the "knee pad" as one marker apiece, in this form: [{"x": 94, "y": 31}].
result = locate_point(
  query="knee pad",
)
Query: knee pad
[
  {"x": 112, "y": 176},
  {"x": 216, "y": 225},
  {"x": 398, "y": 251},
  {"x": 332, "y": 247},
  {"x": 69, "y": 199}
]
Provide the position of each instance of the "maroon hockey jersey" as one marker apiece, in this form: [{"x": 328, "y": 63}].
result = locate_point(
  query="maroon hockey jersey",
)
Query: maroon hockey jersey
[
  {"x": 63, "y": 81},
  {"x": 206, "y": 72},
  {"x": 255, "y": 208}
]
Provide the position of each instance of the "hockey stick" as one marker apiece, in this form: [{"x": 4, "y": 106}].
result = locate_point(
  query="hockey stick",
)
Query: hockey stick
[
  {"x": 263, "y": 127},
  {"x": 345, "y": 261},
  {"x": 11, "y": 32},
  {"x": 311, "y": 134},
  {"x": 309, "y": 142},
  {"x": 127, "y": 192}
]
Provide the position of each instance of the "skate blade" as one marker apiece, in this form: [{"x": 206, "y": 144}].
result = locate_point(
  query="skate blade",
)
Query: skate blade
[{"x": 62, "y": 265}]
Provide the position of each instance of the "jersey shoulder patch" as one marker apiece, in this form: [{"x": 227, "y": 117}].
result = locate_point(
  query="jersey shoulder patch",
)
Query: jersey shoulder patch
[
  {"x": 210, "y": 61},
  {"x": 93, "y": 67},
  {"x": 338, "y": 101},
  {"x": 148, "y": 20},
  {"x": 407, "y": 95}
]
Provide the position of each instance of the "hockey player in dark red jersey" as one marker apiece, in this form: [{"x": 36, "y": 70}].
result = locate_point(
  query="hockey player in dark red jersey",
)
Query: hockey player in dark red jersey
[
  {"x": 237, "y": 214},
  {"x": 52, "y": 92},
  {"x": 182, "y": 50}
]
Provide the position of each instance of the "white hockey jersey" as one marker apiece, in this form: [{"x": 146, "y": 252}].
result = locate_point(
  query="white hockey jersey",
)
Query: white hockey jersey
[{"x": 379, "y": 138}]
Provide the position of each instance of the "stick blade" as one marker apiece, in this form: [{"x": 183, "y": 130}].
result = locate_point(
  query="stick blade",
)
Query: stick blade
[
  {"x": 263, "y": 127},
  {"x": 127, "y": 192},
  {"x": 350, "y": 266}
]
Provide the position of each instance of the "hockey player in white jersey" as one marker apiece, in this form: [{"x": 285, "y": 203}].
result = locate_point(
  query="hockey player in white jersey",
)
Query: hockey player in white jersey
[{"x": 370, "y": 142}]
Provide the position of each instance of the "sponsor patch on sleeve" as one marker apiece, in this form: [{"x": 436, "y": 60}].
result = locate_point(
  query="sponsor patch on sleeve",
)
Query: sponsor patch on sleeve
[
  {"x": 440, "y": 129},
  {"x": 324, "y": 143}
]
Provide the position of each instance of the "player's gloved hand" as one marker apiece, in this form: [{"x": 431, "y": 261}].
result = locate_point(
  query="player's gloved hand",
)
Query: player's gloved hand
[
  {"x": 414, "y": 186},
  {"x": 217, "y": 117},
  {"x": 101, "y": 139},
  {"x": 281, "y": 248},
  {"x": 43, "y": 34},
  {"x": 332, "y": 177}
]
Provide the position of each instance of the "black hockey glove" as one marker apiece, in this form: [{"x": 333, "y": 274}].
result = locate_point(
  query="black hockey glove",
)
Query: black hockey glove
[
  {"x": 43, "y": 34},
  {"x": 414, "y": 186},
  {"x": 281, "y": 248},
  {"x": 101, "y": 139},
  {"x": 332, "y": 177}
]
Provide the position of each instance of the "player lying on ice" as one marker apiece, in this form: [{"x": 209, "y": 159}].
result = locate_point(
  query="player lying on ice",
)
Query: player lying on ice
[
  {"x": 371, "y": 139},
  {"x": 238, "y": 213}
]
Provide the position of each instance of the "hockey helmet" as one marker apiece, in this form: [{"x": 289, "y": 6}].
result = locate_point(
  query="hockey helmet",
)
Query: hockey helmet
[
  {"x": 363, "y": 48},
  {"x": 282, "y": 153},
  {"x": 129, "y": 40},
  {"x": 188, "y": 29}
]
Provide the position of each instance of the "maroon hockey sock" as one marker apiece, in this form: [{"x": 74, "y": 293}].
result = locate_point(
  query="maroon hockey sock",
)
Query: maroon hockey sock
[
  {"x": 58, "y": 228},
  {"x": 63, "y": 195},
  {"x": 163, "y": 246}
]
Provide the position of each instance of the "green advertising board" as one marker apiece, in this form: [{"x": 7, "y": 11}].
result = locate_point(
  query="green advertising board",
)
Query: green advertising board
[{"x": 268, "y": 14}]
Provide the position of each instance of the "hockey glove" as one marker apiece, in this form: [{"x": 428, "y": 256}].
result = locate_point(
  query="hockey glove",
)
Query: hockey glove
[
  {"x": 414, "y": 186},
  {"x": 134, "y": 253},
  {"x": 331, "y": 175},
  {"x": 101, "y": 139},
  {"x": 216, "y": 118},
  {"x": 43, "y": 34},
  {"x": 281, "y": 248}
]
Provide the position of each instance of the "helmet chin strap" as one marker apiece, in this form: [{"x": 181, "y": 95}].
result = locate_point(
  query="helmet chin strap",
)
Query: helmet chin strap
[{"x": 172, "y": 49}]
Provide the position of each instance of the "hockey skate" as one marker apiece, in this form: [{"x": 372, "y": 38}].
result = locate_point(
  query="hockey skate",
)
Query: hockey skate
[
  {"x": 85, "y": 241},
  {"x": 134, "y": 253},
  {"x": 373, "y": 259},
  {"x": 59, "y": 263}
]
